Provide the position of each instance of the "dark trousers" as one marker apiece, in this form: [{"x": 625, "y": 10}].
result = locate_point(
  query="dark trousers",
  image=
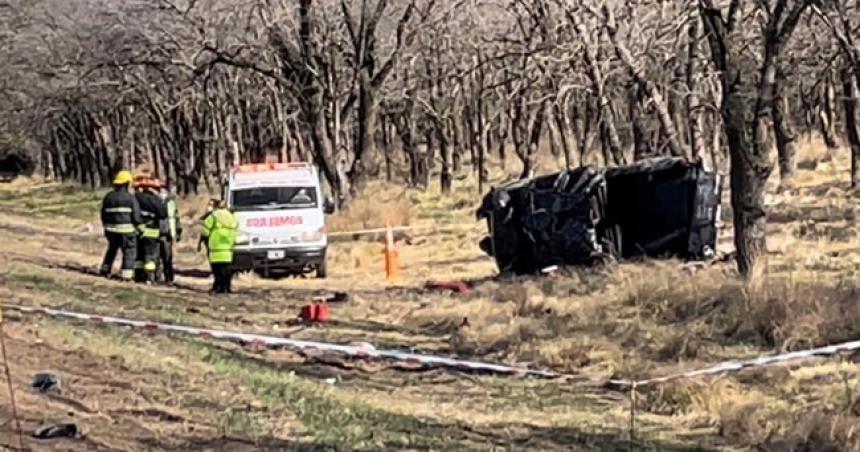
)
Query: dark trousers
[
  {"x": 128, "y": 244},
  {"x": 223, "y": 277},
  {"x": 165, "y": 255},
  {"x": 147, "y": 257}
]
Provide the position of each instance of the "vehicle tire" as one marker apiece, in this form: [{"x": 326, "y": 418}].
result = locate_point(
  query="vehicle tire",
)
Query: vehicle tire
[{"x": 321, "y": 270}]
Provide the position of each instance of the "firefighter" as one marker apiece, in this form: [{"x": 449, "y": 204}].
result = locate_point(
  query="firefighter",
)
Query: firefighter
[
  {"x": 220, "y": 230},
  {"x": 121, "y": 216},
  {"x": 152, "y": 212},
  {"x": 170, "y": 233}
]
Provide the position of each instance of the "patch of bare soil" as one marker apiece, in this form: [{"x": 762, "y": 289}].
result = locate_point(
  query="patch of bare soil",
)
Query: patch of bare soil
[{"x": 118, "y": 405}]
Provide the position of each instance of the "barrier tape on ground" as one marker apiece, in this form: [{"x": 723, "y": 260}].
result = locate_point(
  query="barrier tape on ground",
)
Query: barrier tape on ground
[
  {"x": 734, "y": 366},
  {"x": 352, "y": 351},
  {"x": 364, "y": 352}
]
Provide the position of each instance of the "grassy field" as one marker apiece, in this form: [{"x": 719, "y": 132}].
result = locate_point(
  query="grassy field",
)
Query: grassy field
[{"x": 132, "y": 391}]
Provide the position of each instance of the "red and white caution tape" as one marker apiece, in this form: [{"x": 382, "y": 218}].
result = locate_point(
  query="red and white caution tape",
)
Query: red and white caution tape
[
  {"x": 368, "y": 352},
  {"x": 735, "y": 366},
  {"x": 352, "y": 351}
]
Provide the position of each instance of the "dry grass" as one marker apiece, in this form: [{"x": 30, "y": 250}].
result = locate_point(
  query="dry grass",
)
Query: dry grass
[
  {"x": 23, "y": 183},
  {"x": 380, "y": 204}
]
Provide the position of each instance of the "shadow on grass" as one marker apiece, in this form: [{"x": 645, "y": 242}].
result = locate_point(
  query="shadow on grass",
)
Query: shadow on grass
[{"x": 236, "y": 445}]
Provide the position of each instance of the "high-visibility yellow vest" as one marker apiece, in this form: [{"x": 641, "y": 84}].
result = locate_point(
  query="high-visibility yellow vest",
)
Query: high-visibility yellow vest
[{"x": 220, "y": 228}]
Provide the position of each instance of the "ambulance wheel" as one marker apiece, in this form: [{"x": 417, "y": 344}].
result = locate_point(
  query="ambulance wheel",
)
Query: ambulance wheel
[{"x": 321, "y": 270}]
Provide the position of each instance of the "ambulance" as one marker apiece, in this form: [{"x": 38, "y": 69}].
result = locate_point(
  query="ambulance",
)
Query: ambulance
[{"x": 281, "y": 213}]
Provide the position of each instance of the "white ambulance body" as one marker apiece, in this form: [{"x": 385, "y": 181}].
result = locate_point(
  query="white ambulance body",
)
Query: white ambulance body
[{"x": 281, "y": 213}]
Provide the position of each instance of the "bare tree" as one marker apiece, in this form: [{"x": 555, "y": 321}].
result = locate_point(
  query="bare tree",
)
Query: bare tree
[
  {"x": 749, "y": 86},
  {"x": 648, "y": 87},
  {"x": 836, "y": 16},
  {"x": 192, "y": 87}
]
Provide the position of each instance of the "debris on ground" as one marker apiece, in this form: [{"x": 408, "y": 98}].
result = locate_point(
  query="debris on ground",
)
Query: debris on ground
[
  {"x": 56, "y": 431},
  {"x": 664, "y": 207},
  {"x": 46, "y": 381}
]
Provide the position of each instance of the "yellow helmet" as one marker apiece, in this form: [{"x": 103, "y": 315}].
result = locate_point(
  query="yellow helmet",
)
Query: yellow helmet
[{"x": 123, "y": 177}]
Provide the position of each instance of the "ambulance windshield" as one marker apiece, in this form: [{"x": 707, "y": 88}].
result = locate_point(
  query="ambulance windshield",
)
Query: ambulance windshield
[{"x": 261, "y": 198}]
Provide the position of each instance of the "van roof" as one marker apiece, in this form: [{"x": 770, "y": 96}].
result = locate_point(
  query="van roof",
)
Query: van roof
[
  {"x": 260, "y": 167},
  {"x": 292, "y": 174}
]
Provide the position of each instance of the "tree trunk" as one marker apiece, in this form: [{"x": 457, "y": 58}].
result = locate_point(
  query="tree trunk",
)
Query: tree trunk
[
  {"x": 562, "y": 127},
  {"x": 533, "y": 144},
  {"x": 849, "y": 104},
  {"x": 613, "y": 151},
  {"x": 748, "y": 89},
  {"x": 455, "y": 147},
  {"x": 694, "y": 108},
  {"x": 366, "y": 128},
  {"x": 785, "y": 137},
  {"x": 826, "y": 116},
  {"x": 445, "y": 177},
  {"x": 386, "y": 146},
  {"x": 634, "y": 108},
  {"x": 553, "y": 133},
  {"x": 748, "y": 175}
]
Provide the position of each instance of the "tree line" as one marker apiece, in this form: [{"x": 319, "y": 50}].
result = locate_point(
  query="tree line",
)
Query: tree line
[{"x": 410, "y": 90}]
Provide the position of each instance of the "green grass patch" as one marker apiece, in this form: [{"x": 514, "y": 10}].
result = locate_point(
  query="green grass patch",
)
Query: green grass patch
[
  {"x": 19, "y": 279},
  {"x": 241, "y": 423},
  {"x": 69, "y": 201},
  {"x": 101, "y": 299},
  {"x": 343, "y": 424}
]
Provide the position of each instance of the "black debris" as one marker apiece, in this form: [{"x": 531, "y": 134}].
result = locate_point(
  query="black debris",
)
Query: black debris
[
  {"x": 56, "y": 431},
  {"x": 46, "y": 381}
]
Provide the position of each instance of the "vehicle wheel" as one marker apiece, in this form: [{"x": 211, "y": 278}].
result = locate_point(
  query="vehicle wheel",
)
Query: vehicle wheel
[{"x": 321, "y": 270}]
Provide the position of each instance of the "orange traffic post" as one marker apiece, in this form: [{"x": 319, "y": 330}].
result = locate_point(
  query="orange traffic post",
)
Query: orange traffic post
[{"x": 391, "y": 264}]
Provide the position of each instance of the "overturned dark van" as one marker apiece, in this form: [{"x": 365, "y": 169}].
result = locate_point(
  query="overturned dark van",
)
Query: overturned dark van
[{"x": 665, "y": 207}]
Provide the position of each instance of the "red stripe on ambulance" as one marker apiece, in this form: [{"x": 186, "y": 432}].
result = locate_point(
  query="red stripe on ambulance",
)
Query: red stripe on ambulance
[{"x": 273, "y": 222}]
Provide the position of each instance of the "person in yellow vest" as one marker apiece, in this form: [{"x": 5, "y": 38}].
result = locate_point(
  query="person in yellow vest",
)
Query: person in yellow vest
[
  {"x": 219, "y": 228},
  {"x": 170, "y": 233}
]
